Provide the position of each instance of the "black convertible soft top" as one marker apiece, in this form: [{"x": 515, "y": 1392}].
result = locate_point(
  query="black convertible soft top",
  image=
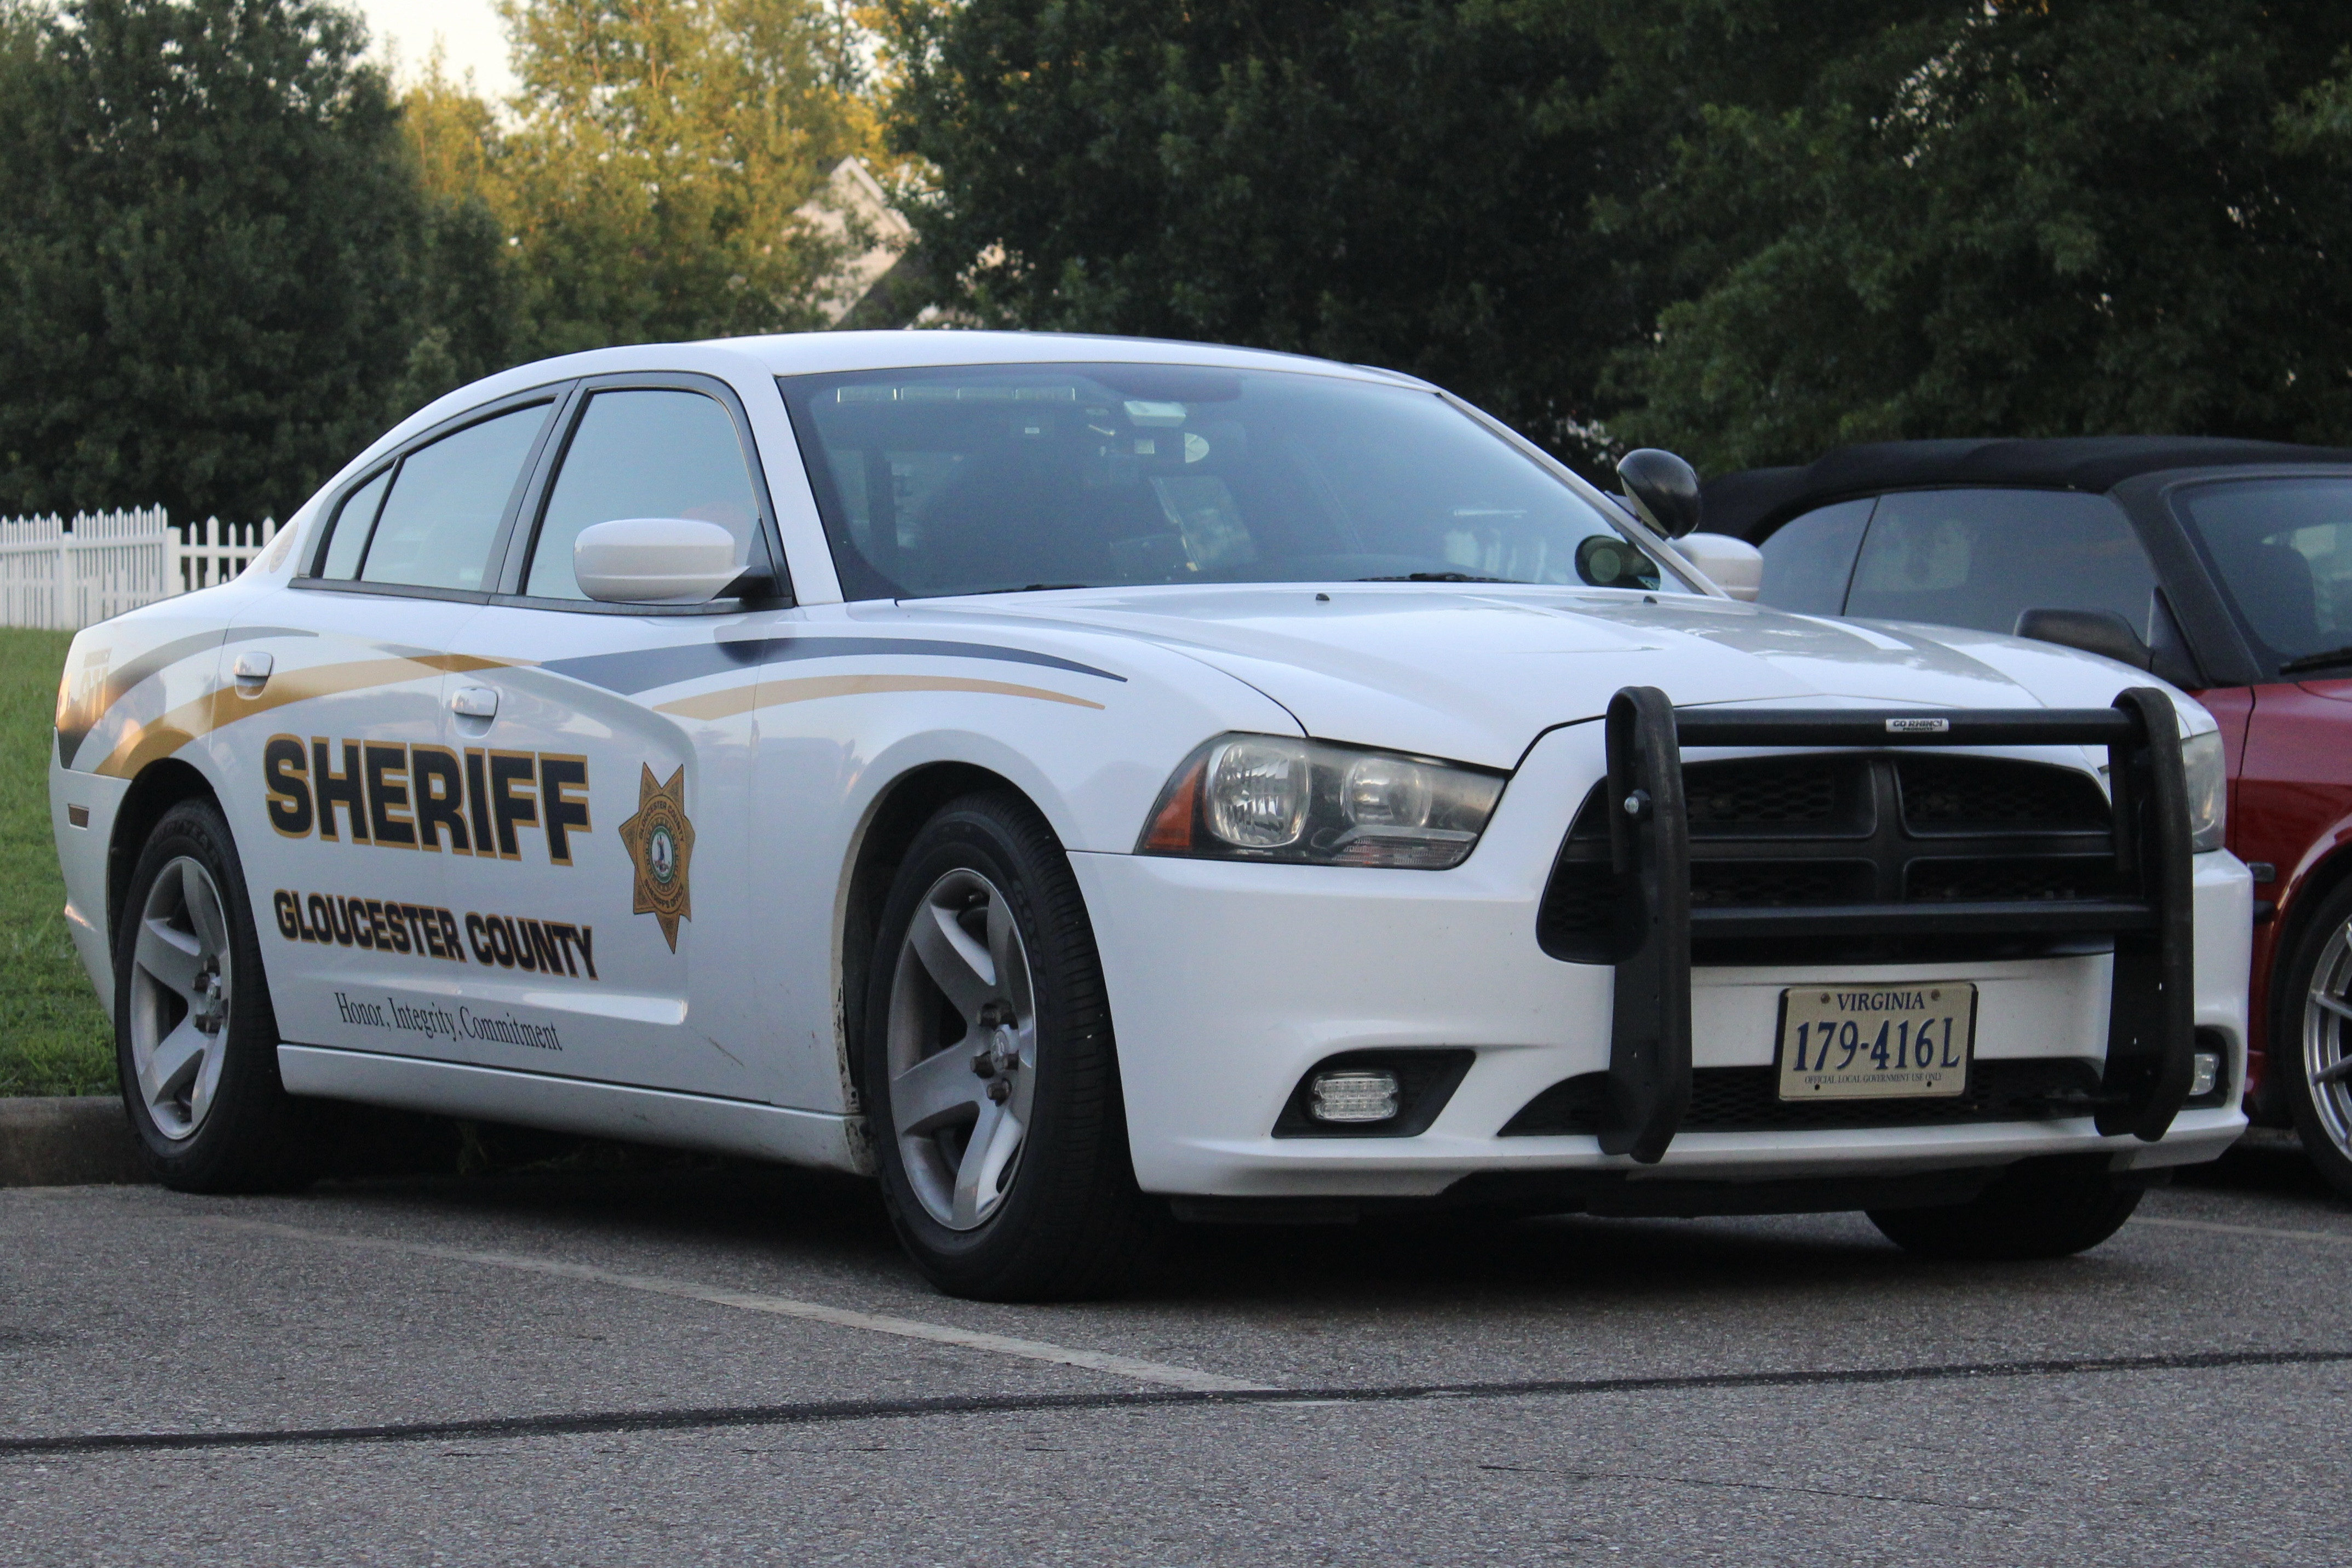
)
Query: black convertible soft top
[{"x": 1751, "y": 504}]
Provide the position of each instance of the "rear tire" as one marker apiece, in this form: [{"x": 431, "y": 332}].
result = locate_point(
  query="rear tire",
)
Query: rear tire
[
  {"x": 195, "y": 1040},
  {"x": 988, "y": 1071},
  {"x": 2037, "y": 1208},
  {"x": 2313, "y": 1033}
]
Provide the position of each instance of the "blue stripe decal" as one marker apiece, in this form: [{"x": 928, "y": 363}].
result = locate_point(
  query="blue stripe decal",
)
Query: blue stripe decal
[{"x": 647, "y": 669}]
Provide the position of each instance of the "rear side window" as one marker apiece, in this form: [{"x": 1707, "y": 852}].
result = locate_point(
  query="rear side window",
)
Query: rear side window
[
  {"x": 1979, "y": 557},
  {"x": 435, "y": 527},
  {"x": 642, "y": 453},
  {"x": 352, "y": 525},
  {"x": 1808, "y": 562}
]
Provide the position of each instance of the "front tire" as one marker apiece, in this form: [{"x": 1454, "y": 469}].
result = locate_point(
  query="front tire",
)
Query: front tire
[
  {"x": 2036, "y": 1208},
  {"x": 195, "y": 1040},
  {"x": 990, "y": 1075},
  {"x": 2312, "y": 1040}
]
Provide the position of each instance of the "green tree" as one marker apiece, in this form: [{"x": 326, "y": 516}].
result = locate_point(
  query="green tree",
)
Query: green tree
[
  {"x": 2016, "y": 219},
  {"x": 1746, "y": 228},
  {"x": 1406, "y": 181},
  {"x": 648, "y": 188},
  {"x": 215, "y": 261}
]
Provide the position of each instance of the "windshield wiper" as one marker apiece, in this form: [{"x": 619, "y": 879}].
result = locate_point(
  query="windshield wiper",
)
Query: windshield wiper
[
  {"x": 2317, "y": 661},
  {"x": 1434, "y": 577},
  {"x": 1031, "y": 588}
]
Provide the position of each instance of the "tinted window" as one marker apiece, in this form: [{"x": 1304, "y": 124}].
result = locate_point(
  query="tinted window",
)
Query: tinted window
[
  {"x": 1808, "y": 562},
  {"x": 447, "y": 499},
  {"x": 1978, "y": 558},
  {"x": 643, "y": 454},
  {"x": 2283, "y": 549},
  {"x": 994, "y": 477},
  {"x": 351, "y": 526}
]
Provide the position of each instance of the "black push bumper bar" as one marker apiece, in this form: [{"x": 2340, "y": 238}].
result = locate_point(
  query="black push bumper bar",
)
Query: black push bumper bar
[{"x": 2151, "y": 1014}]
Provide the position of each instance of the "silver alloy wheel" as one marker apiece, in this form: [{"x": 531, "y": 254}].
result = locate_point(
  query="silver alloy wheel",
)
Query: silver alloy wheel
[
  {"x": 962, "y": 1050},
  {"x": 179, "y": 998},
  {"x": 2327, "y": 1039}
]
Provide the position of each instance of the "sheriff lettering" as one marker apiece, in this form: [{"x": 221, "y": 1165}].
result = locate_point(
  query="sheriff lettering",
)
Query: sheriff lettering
[{"x": 400, "y": 797}]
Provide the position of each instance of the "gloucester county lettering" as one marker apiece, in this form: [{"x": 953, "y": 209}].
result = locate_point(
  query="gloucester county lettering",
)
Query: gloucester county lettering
[
  {"x": 401, "y": 797},
  {"x": 387, "y": 926}
]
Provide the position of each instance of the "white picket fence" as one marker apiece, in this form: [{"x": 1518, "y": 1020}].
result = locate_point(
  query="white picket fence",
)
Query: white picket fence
[{"x": 65, "y": 575}]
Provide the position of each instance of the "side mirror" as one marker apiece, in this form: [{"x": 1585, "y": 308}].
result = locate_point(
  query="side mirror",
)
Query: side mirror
[
  {"x": 1664, "y": 490},
  {"x": 654, "y": 560},
  {"x": 2101, "y": 632},
  {"x": 1733, "y": 565}
]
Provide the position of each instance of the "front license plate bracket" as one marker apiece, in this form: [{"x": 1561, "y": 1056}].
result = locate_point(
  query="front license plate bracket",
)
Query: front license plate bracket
[{"x": 1912, "y": 1040}]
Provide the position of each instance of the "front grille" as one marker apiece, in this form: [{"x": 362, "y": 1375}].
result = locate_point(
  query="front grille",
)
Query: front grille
[
  {"x": 2019, "y": 877},
  {"x": 1746, "y": 1100},
  {"x": 1763, "y": 792},
  {"x": 1776, "y": 885},
  {"x": 1949, "y": 793},
  {"x": 1847, "y": 829}
]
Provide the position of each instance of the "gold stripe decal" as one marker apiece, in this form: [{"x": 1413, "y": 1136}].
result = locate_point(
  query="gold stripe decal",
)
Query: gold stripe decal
[
  {"x": 160, "y": 737},
  {"x": 733, "y": 700}
]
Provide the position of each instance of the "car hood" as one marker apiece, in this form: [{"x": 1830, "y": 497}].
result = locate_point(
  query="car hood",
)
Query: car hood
[{"x": 1476, "y": 672}]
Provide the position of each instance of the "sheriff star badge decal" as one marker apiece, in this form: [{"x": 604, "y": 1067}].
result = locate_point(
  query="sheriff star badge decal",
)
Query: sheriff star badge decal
[{"x": 661, "y": 844}]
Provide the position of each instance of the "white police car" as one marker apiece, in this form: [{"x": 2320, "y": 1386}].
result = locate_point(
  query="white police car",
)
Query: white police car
[{"x": 1084, "y": 780}]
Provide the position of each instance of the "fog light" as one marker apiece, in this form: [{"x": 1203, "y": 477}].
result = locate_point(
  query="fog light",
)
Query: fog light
[
  {"x": 1357, "y": 1094},
  {"x": 2204, "y": 1072}
]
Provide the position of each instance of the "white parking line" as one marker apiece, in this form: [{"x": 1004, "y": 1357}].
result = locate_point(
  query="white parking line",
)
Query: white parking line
[
  {"x": 2340, "y": 1238},
  {"x": 784, "y": 1306}
]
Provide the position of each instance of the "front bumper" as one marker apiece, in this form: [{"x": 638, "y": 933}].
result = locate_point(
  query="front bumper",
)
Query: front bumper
[{"x": 1229, "y": 981}]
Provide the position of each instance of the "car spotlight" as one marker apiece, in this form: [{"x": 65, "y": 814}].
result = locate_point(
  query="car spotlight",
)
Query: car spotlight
[
  {"x": 1353, "y": 1095},
  {"x": 2204, "y": 1072}
]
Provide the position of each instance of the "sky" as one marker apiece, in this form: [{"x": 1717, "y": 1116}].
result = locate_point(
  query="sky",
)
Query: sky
[{"x": 467, "y": 29}]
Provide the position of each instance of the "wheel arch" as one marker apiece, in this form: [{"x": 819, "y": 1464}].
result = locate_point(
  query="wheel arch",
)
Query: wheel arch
[
  {"x": 2310, "y": 891},
  {"x": 159, "y": 787},
  {"x": 897, "y": 813}
]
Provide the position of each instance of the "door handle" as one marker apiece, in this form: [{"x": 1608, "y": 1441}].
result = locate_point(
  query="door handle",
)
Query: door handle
[
  {"x": 474, "y": 702},
  {"x": 251, "y": 672}
]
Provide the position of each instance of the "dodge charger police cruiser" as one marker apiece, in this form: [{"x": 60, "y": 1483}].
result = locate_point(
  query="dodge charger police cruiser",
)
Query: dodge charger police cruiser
[{"x": 1089, "y": 783}]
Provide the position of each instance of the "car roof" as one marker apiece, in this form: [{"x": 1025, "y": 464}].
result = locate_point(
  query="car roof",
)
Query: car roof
[
  {"x": 1752, "y": 503},
  {"x": 810, "y": 353},
  {"x": 805, "y": 353}
]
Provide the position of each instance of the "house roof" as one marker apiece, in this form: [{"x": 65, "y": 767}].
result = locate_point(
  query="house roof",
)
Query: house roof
[{"x": 1751, "y": 504}]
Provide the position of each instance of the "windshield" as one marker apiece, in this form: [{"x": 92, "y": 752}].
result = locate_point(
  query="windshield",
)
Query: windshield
[
  {"x": 980, "y": 479},
  {"x": 2282, "y": 550}
]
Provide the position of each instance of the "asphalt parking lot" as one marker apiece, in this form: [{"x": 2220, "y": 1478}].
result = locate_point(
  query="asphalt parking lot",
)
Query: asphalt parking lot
[{"x": 717, "y": 1365}]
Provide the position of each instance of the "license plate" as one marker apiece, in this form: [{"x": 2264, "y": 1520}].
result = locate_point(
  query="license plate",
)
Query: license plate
[{"x": 1856, "y": 1043}]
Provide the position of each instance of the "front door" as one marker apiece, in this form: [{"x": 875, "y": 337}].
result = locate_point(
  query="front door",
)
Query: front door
[{"x": 610, "y": 920}]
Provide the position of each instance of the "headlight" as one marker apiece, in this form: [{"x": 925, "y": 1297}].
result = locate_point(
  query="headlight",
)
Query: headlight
[
  {"x": 1272, "y": 798},
  {"x": 2208, "y": 789}
]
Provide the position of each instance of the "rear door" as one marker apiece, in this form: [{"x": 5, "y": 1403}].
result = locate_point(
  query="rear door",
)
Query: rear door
[
  {"x": 609, "y": 912},
  {"x": 346, "y": 798}
]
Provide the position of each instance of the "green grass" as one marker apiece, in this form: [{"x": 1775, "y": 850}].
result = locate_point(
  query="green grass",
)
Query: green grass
[{"x": 53, "y": 1034}]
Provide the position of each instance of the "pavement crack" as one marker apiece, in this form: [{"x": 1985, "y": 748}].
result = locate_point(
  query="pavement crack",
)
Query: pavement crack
[
  {"x": 1748, "y": 1485},
  {"x": 822, "y": 1412}
]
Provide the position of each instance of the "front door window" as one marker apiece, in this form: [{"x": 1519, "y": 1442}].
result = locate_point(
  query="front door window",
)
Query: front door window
[
  {"x": 643, "y": 453},
  {"x": 1981, "y": 558}
]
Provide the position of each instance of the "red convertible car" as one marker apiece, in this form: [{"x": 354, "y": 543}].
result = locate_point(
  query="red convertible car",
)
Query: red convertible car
[{"x": 2224, "y": 566}]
